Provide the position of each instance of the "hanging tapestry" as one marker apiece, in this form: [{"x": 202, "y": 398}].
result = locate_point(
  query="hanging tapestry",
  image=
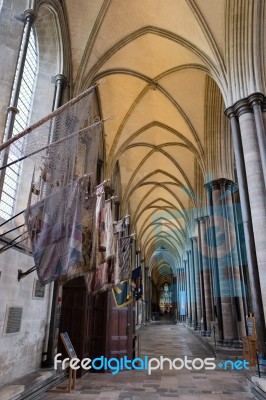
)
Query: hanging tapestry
[
  {"x": 124, "y": 257},
  {"x": 118, "y": 229},
  {"x": 103, "y": 276},
  {"x": 122, "y": 294},
  {"x": 55, "y": 229},
  {"x": 109, "y": 231},
  {"x": 137, "y": 282},
  {"x": 119, "y": 226},
  {"x": 100, "y": 219},
  {"x": 102, "y": 279}
]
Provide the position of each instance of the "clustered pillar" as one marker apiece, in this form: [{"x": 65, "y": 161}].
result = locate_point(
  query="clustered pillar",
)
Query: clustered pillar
[
  {"x": 248, "y": 122},
  {"x": 225, "y": 263},
  {"x": 214, "y": 269}
]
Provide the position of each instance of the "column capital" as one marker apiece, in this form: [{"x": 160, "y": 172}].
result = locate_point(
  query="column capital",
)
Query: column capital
[
  {"x": 202, "y": 219},
  {"x": 230, "y": 184},
  {"x": 242, "y": 107},
  {"x": 60, "y": 78},
  {"x": 212, "y": 185},
  {"x": 208, "y": 186},
  {"x": 230, "y": 112},
  {"x": 15, "y": 110},
  {"x": 225, "y": 182},
  {"x": 216, "y": 184},
  {"x": 234, "y": 186},
  {"x": 222, "y": 181},
  {"x": 256, "y": 99},
  {"x": 246, "y": 105},
  {"x": 30, "y": 15}
]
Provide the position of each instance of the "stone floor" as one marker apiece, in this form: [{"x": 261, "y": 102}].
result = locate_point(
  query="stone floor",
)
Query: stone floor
[{"x": 173, "y": 341}]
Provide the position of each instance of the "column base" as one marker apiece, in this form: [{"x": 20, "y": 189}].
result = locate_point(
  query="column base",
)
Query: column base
[
  {"x": 206, "y": 333},
  {"x": 198, "y": 328},
  {"x": 230, "y": 343}
]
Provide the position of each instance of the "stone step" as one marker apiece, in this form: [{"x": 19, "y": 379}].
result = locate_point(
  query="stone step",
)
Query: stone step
[
  {"x": 258, "y": 387},
  {"x": 31, "y": 386}
]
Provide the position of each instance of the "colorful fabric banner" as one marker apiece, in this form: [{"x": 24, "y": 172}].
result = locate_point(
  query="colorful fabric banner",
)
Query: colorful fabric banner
[
  {"x": 119, "y": 226},
  {"x": 137, "y": 283},
  {"x": 124, "y": 258},
  {"x": 103, "y": 276},
  {"x": 55, "y": 230},
  {"x": 122, "y": 294},
  {"x": 118, "y": 229},
  {"x": 100, "y": 220},
  {"x": 100, "y": 280},
  {"x": 109, "y": 231}
]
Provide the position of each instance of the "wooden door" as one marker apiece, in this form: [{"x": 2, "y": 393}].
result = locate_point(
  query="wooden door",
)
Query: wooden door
[
  {"x": 120, "y": 330},
  {"x": 97, "y": 324},
  {"x": 74, "y": 317}
]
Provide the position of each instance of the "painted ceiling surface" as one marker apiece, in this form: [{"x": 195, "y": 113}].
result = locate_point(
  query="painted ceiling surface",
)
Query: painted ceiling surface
[{"x": 152, "y": 58}]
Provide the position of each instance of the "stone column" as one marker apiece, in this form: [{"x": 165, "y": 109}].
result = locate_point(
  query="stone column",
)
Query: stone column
[
  {"x": 174, "y": 297},
  {"x": 232, "y": 259},
  {"x": 206, "y": 274},
  {"x": 256, "y": 187},
  {"x": 60, "y": 83},
  {"x": 238, "y": 306},
  {"x": 197, "y": 282},
  {"x": 241, "y": 256},
  {"x": 184, "y": 284},
  {"x": 177, "y": 293},
  {"x": 201, "y": 280},
  {"x": 214, "y": 265},
  {"x": 254, "y": 277},
  {"x": 192, "y": 288},
  {"x": 229, "y": 326},
  {"x": 149, "y": 291},
  {"x": 256, "y": 101},
  {"x": 188, "y": 316},
  {"x": 209, "y": 263}
]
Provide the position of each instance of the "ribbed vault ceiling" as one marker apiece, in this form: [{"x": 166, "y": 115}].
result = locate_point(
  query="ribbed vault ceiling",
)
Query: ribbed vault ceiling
[{"x": 153, "y": 57}]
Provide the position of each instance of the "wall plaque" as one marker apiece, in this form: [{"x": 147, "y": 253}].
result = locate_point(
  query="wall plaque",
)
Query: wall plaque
[
  {"x": 14, "y": 319},
  {"x": 251, "y": 326},
  {"x": 38, "y": 290}
]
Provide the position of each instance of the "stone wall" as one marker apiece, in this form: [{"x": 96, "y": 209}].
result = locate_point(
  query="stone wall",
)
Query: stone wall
[{"x": 21, "y": 352}]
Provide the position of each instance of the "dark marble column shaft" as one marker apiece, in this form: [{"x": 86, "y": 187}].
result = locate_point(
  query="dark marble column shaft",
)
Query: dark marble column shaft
[
  {"x": 206, "y": 273},
  {"x": 197, "y": 282}
]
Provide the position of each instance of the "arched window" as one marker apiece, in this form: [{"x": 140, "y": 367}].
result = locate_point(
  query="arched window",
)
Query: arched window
[{"x": 24, "y": 106}]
